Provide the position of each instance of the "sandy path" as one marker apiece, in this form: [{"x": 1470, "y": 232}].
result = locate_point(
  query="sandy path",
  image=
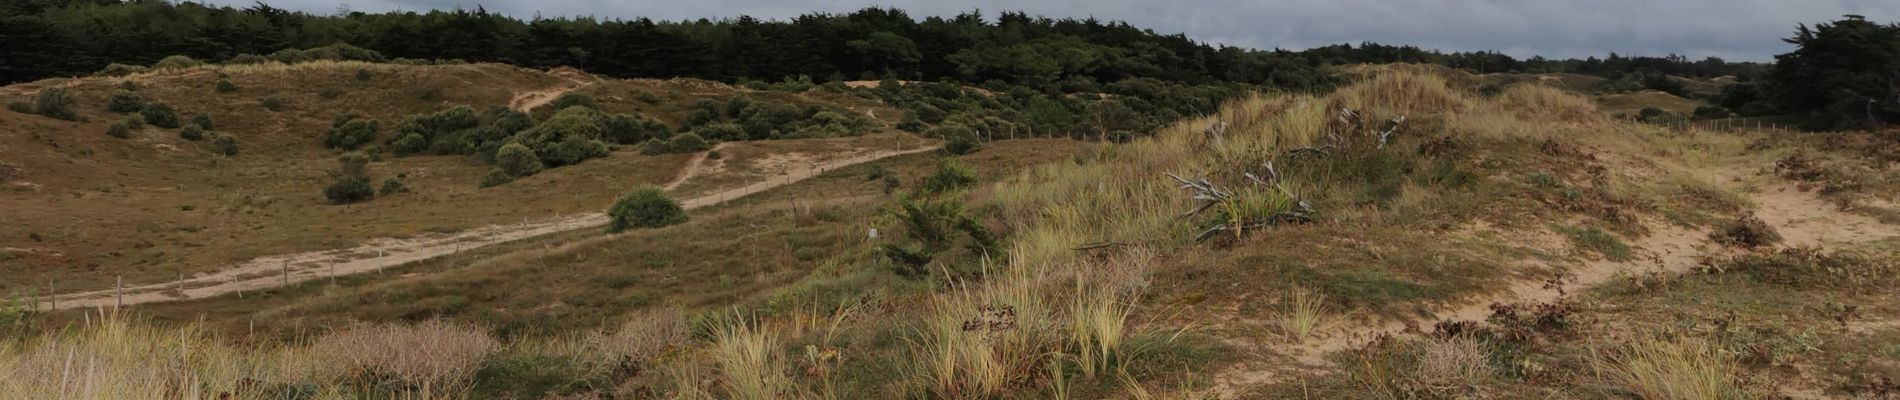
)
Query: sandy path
[
  {"x": 1801, "y": 218},
  {"x": 281, "y": 270},
  {"x": 692, "y": 167},
  {"x": 527, "y": 101}
]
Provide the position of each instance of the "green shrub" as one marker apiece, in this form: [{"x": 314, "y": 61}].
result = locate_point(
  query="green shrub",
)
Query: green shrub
[
  {"x": 911, "y": 124},
  {"x": 124, "y": 101},
  {"x": 272, "y": 103},
  {"x": 225, "y": 85},
  {"x": 117, "y": 69},
  {"x": 496, "y": 177},
  {"x": 700, "y": 117},
  {"x": 225, "y": 144},
  {"x": 720, "y": 132},
  {"x": 349, "y": 189},
  {"x": 571, "y": 99},
  {"x": 353, "y": 164},
  {"x": 362, "y": 75},
  {"x": 203, "y": 120},
  {"x": 192, "y": 132},
  {"x": 20, "y": 107},
  {"x": 119, "y": 130},
  {"x": 56, "y": 103},
  {"x": 631, "y": 129},
  {"x": 347, "y": 132},
  {"x": 246, "y": 59},
  {"x": 177, "y": 62},
  {"x": 574, "y": 149},
  {"x": 737, "y": 105},
  {"x": 334, "y": 52},
  {"x": 517, "y": 160},
  {"x": 1711, "y": 111},
  {"x": 961, "y": 145},
  {"x": 644, "y": 207},
  {"x": 134, "y": 121},
  {"x": 685, "y": 143},
  {"x": 128, "y": 85},
  {"x": 160, "y": 114},
  {"x": 647, "y": 97},
  {"x": 392, "y": 186},
  {"x": 950, "y": 175}
]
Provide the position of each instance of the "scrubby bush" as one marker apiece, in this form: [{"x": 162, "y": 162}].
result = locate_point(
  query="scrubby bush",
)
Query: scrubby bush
[
  {"x": 448, "y": 131},
  {"x": 225, "y": 144},
  {"x": 647, "y": 97},
  {"x": 685, "y": 143},
  {"x": 1654, "y": 115},
  {"x": 571, "y": 99},
  {"x": 192, "y": 132},
  {"x": 496, "y": 177},
  {"x": 134, "y": 121},
  {"x": 246, "y": 59},
  {"x": 363, "y": 75},
  {"x": 203, "y": 120},
  {"x": 1746, "y": 232},
  {"x": 225, "y": 85},
  {"x": 737, "y": 105},
  {"x": 631, "y": 129},
  {"x": 347, "y": 132},
  {"x": 335, "y": 52},
  {"x": 644, "y": 207},
  {"x": 517, "y": 160},
  {"x": 355, "y": 164},
  {"x": 272, "y": 103},
  {"x": 160, "y": 114},
  {"x": 392, "y": 186},
  {"x": 20, "y": 107},
  {"x": 56, "y": 103},
  {"x": 177, "y": 62},
  {"x": 961, "y": 145},
  {"x": 117, "y": 69},
  {"x": 119, "y": 130},
  {"x": 720, "y": 132},
  {"x": 349, "y": 189},
  {"x": 950, "y": 176},
  {"x": 124, "y": 101},
  {"x": 571, "y": 136}
]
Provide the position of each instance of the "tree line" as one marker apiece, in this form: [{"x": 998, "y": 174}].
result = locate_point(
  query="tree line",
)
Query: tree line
[{"x": 45, "y": 38}]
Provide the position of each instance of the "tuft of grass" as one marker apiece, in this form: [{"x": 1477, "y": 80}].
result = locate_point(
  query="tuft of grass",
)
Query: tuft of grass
[
  {"x": 1596, "y": 240},
  {"x": 1668, "y": 369},
  {"x": 747, "y": 354},
  {"x": 434, "y": 358},
  {"x": 1303, "y": 311}
]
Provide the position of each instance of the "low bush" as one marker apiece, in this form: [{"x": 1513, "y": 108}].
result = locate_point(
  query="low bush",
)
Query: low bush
[
  {"x": 225, "y": 144},
  {"x": 161, "y": 115},
  {"x": 363, "y": 75},
  {"x": 1746, "y": 232},
  {"x": 124, "y": 101},
  {"x": 1711, "y": 111},
  {"x": 632, "y": 129},
  {"x": 117, "y": 69},
  {"x": 56, "y": 103},
  {"x": 686, "y": 143},
  {"x": 571, "y": 99},
  {"x": 119, "y": 130},
  {"x": 192, "y": 132},
  {"x": 177, "y": 62},
  {"x": 1811, "y": 267},
  {"x": 203, "y": 120},
  {"x": 645, "y": 207},
  {"x": 950, "y": 176},
  {"x": 225, "y": 85},
  {"x": 517, "y": 160},
  {"x": 20, "y": 107},
  {"x": 335, "y": 52},
  {"x": 720, "y": 132},
  {"x": 134, "y": 121},
  {"x": 961, "y": 145},
  {"x": 496, "y": 177},
  {"x": 392, "y": 186},
  {"x": 349, "y": 189},
  {"x": 246, "y": 59},
  {"x": 272, "y": 103},
  {"x": 347, "y": 132}
]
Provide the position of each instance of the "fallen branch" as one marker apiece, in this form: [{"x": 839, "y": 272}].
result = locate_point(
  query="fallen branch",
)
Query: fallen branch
[{"x": 1383, "y": 136}]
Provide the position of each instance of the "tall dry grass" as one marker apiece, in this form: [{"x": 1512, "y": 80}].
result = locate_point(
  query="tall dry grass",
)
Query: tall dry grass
[
  {"x": 110, "y": 356},
  {"x": 1668, "y": 369},
  {"x": 747, "y": 354},
  {"x": 435, "y": 359}
]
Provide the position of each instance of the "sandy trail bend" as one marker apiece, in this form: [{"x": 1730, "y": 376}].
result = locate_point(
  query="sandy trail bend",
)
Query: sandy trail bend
[
  {"x": 275, "y": 271},
  {"x": 1800, "y": 217}
]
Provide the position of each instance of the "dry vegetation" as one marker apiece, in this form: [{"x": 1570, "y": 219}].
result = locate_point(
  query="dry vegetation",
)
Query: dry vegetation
[{"x": 1402, "y": 237}]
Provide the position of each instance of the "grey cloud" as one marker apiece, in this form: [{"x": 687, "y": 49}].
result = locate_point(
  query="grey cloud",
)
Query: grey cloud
[{"x": 1732, "y": 29}]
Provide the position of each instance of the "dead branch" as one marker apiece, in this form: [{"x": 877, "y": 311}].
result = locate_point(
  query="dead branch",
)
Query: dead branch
[
  {"x": 1216, "y": 131},
  {"x": 1387, "y": 134}
]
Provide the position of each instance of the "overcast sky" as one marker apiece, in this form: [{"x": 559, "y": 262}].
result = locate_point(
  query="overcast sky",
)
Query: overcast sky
[{"x": 1731, "y": 29}]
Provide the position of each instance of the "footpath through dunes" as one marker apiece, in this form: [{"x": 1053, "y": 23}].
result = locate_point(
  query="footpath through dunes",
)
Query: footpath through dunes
[{"x": 281, "y": 270}]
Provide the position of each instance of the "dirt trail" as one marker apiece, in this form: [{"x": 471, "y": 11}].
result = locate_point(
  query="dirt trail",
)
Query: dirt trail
[
  {"x": 527, "y": 101},
  {"x": 692, "y": 167},
  {"x": 1801, "y": 218},
  {"x": 275, "y": 271}
]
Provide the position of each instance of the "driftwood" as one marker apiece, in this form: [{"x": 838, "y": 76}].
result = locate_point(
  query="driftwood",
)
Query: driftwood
[
  {"x": 1394, "y": 128},
  {"x": 1215, "y": 132},
  {"x": 1210, "y": 194}
]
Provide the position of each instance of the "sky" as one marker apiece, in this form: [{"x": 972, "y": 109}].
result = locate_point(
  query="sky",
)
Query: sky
[{"x": 1737, "y": 30}]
